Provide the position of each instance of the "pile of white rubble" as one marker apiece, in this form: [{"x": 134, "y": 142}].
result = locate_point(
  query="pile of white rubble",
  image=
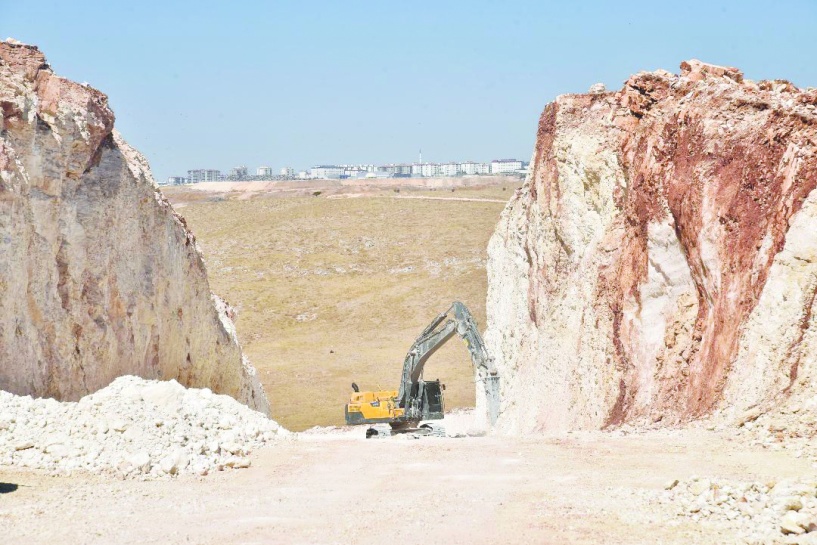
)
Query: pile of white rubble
[{"x": 133, "y": 428}]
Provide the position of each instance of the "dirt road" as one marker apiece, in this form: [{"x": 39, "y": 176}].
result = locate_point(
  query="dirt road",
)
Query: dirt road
[{"x": 340, "y": 488}]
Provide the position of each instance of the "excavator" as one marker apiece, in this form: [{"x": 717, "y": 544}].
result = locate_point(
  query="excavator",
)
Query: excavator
[{"x": 390, "y": 412}]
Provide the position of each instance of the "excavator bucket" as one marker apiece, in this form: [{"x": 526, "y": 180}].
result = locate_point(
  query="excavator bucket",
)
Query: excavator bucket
[{"x": 492, "y": 398}]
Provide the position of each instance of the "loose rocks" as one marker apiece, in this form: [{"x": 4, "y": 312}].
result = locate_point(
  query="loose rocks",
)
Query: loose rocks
[
  {"x": 763, "y": 512},
  {"x": 134, "y": 428}
]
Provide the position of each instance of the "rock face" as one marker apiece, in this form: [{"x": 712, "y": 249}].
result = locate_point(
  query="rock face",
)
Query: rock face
[
  {"x": 99, "y": 277},
  {"x": 660, "y": 263}
]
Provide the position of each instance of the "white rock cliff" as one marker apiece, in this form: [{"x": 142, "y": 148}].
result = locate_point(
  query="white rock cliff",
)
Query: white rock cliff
[{"x": 99, "y": 277}]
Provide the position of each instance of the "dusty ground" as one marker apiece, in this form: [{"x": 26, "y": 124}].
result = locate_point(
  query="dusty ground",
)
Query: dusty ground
[
  {"x": 335, "y": 288},
  {"x": 339, "y": 488}
]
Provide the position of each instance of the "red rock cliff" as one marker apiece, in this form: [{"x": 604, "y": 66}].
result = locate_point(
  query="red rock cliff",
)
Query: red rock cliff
[{"x": 661, "y": 261}]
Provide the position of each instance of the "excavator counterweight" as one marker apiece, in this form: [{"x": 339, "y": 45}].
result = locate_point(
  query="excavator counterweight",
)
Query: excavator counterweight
[{"x": 418, "y": 399}]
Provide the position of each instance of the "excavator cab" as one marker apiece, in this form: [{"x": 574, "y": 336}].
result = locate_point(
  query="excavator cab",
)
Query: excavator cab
[{"x": 429, "y": 397}]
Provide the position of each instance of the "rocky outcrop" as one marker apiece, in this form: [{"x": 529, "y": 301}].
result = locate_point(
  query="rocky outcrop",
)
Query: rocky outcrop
[
  {"x": 660, "y": 263},
  {"x": 99, "y": 277}
]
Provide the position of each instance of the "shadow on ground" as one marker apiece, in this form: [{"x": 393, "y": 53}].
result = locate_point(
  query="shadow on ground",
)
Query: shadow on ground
[{"x": 5, "y": 488}]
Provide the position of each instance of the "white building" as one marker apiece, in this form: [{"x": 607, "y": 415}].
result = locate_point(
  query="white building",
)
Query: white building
[
  {"x": 355, "y": 171},
  {"x": 449, "y": 169},
  {"x": 470, "y": 168},
  {"x": 264, "y": 171},
  {"x": 429, "y": 170},
  {"x": 401, "y": 170},
  {"x": 288, "y": 172},
  {"x": 392, "y": 170},
  {"x": 239, "y": 172},
  {"x": 505, "y": 166},
  {"x": 176, "y": 180},
  {"x": 327, "y": 172},
  {"x": 203, "y": 175}
]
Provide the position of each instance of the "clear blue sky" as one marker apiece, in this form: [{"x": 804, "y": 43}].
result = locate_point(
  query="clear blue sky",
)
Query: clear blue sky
[{"x": 216, "y": 84}]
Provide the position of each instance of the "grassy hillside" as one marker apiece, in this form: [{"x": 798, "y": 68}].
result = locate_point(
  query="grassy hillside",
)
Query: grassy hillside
[{"x": 331, "y": 291}]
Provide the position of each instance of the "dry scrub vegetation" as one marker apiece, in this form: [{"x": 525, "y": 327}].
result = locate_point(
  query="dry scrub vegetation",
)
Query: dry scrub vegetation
[{"x": 334, "y": 290}]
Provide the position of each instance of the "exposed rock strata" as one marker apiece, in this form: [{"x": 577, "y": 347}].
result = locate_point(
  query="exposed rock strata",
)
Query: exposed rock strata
[
  {"x": 99, "y": 277},
  {"x": 661, "y": 261}
]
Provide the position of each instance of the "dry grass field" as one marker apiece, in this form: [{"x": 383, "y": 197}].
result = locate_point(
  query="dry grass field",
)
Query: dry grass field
[{"x": 334, "y": 290}]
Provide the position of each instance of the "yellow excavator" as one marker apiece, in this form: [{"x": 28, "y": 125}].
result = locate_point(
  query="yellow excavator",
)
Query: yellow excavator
[{"x": 418, "y": 399}]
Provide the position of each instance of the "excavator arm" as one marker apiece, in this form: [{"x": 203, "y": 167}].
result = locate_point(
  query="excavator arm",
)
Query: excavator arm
[{"x": 456, "y": 320}]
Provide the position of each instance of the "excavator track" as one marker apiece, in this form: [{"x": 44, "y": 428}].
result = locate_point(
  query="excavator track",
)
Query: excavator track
[{"x": 384, "y": 430}]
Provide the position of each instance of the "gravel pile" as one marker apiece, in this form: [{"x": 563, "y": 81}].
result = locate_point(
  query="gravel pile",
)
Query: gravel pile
[
  {"x": 763, "y": 512},
  {"x": 134, "y": 428}
]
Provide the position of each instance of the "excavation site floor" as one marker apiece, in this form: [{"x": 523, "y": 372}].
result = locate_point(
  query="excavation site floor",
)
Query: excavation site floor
[{"x": 336, "y": 487}]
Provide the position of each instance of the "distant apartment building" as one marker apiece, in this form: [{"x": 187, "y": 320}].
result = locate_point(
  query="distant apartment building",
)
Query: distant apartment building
[
  {"x": 203, "y": 175},
  {"x": 239, "y": 173},
  {"x": 264, "y": 171},
  {"x": 429, "y": 170},
  {"x": 355, "y": 171},
  {"x": 394, "y": 170},
  {"x": 327, "y": 172},
  {"x": 449, "y": 169},
  {"x": 505, "y": 166},
  {"x": 288, "y": 172},
  {"x": 470, "y": 168},
  {"x": 176, "y": 180}
]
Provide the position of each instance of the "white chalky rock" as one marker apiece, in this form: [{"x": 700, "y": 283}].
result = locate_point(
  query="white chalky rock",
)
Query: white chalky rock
[
  {"x": 140, "y": 461},
  {"x": 700, "y": 486},
  {"x": 792, "y": 503},
  {"x": 792, "y": 523},
  {"x": 119, "y": 425},
  {"x": 99, "y": 276},
  {"x": 133, "y": 428},
  {"x": 56, "y": 450},
  {"x": 174, "y": 462}
]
